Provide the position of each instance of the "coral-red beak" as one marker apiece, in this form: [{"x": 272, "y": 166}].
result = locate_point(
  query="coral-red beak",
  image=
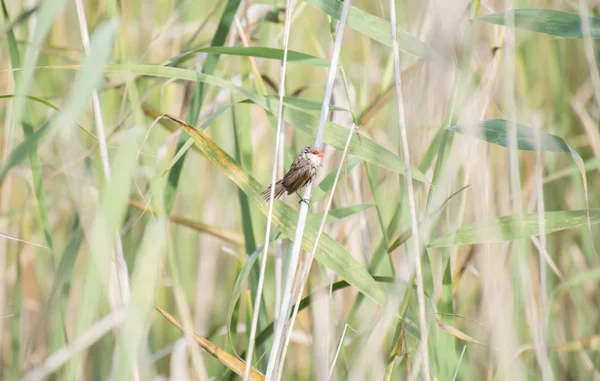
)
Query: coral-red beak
[{"x": 319, "y": 153}]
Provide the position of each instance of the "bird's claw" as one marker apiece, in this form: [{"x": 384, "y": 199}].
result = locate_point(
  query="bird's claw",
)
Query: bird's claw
[{"x": 304, "y": 200}]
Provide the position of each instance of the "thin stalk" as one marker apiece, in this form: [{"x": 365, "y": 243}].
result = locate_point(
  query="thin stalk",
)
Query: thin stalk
[
  {"x": 279, "y": 244},
  {"x": 338, "y": 349},
  {"x": 462, "y": 353},
  {"x": 380, "y": 216},
  {"x": 542, "y": 268},
  {"x": 509, "y": 324},
  {"x": 120, "y": 264},
  {"x": 590, "y": 55},
  {"x": 510, "y": 106},
  {"x": 414, "y": 222},
  {"x": 295, "y": 254},
  {"x": 588, "y": 48},
  {"x": 263, "y": 257},
  {"x": 84, "y": 341},
  {"x": 355, "y": 175},
  {"x": 308, "y": 264},
  {"x": 183, "y": 309}
]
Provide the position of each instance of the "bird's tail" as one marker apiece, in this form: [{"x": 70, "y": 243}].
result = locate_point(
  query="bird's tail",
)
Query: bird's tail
[{"x": 279, "y": 190}]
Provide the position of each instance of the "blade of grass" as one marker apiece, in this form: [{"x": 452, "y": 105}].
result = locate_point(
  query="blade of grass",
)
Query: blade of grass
[
  {"x": 144, "y": 284},
  {"x": 255, "y": 51},
  {"x": 243, "y": 149},
  {"x": 231, "y": 362},
  {"x": 375, "y": 27},
  {"x": 446, "y": 343},
  {"x": 21, "y": 18},
  {"x": 61, "y": 283},
  {"x": 515, "y": 227},
  {"x": 122, "y": 296},
  {"x": 47, "y": 104},
  {"x": 496, "y": 131},
  {"x": 592, "y": 275},
  {"x": 326, "y": 184},
  {"x": 337, "y": 214},
  {"x": 378, "y": 209},
  {"x": 81, "y": 343},
  {"x": 111, "y": 211},
  {"x": 22, "y": 79},
  {"x": 334, "y": 135},
  {"x": 377, "y": 257},
  {"x": 199, "y": 94},
  {"x": 414, "y": 222},
  {"x": 47, "y": 12},
  {"x": 547, "y": 21},
  {"x": 236, "y": 293},
  {"x": 301, "y": 104},
  {"x": 405, "y": 236}
]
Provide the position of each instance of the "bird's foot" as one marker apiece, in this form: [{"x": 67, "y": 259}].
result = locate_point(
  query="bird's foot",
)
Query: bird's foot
[
  {"x": 303, "y": 200},
  {"x": 306, "y": 201}
]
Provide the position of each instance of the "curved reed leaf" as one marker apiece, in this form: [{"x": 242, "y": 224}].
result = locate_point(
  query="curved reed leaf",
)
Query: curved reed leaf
[
  {"x": 496, "y": 131},
  {"x": 197, "y": 91},
  {"x": 375, "y": 27},
  {"x": 58, "y": 296},
  {"x": 20, "y": 19},
  {"x": 337, "y": 214},
  {"x": 512, "y": 228},
  {"x": 144, "y": 287},
  {"x": 335, "y": 135},
  {"x": 326, "y": 184},
  {"x": 330, "y": 253},
  {"x": 547, "y": 21},
  {"x": 25, "y": 148},
  {"x": 254, "y": 51},
  {"x": 408, "y": 232},
  {"x": 238, "y": 288},
  {"x": 112, "y": 208},
  {"x": 22, "y": 110},
  {"x": 302, "y": 104},
  {"x": 231, "y": 362},
  {"x": 578, "y": 279},
  {"x": 50, "y": 105},
  {"x": 589, "y": 343}
]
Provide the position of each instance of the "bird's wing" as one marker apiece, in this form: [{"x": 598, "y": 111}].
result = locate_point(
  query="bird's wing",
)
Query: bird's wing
[{"x": 297, "y": 176}]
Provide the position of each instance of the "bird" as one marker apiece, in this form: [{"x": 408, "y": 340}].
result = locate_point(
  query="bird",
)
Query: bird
[{"x": 303, "y": 169}]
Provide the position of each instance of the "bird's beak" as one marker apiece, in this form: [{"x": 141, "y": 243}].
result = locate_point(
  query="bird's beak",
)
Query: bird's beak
[{"x": 320, "y": 154}]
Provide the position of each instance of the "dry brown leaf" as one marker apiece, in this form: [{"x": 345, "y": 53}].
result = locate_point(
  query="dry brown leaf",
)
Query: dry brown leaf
[
  {"x": 231, "y": 362},
  {"x": 198, "y": 226},
  {"x": 457, "y": 333}
]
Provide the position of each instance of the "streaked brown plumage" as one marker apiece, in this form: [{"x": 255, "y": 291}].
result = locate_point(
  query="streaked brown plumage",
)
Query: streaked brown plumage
[{"x": 303, "y": 169}]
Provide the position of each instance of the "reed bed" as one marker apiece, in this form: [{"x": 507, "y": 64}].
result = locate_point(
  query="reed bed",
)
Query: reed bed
[{"x": 452, "y": 225}]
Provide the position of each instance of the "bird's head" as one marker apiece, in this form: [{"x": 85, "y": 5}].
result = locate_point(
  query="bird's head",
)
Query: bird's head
[
  {"x": 312, "y": 151},
  {"x": 314, "y": 155}
]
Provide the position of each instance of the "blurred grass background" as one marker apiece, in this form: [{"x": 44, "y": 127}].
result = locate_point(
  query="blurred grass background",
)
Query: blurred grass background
[{"x": 59, "y": 209}]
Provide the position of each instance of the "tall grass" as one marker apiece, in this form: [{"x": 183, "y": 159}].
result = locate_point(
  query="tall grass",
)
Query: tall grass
[{"x": 157, "y": 121}]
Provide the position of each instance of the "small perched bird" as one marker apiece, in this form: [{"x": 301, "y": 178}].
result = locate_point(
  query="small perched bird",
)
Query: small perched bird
[{"x": 303, "y": 169}]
